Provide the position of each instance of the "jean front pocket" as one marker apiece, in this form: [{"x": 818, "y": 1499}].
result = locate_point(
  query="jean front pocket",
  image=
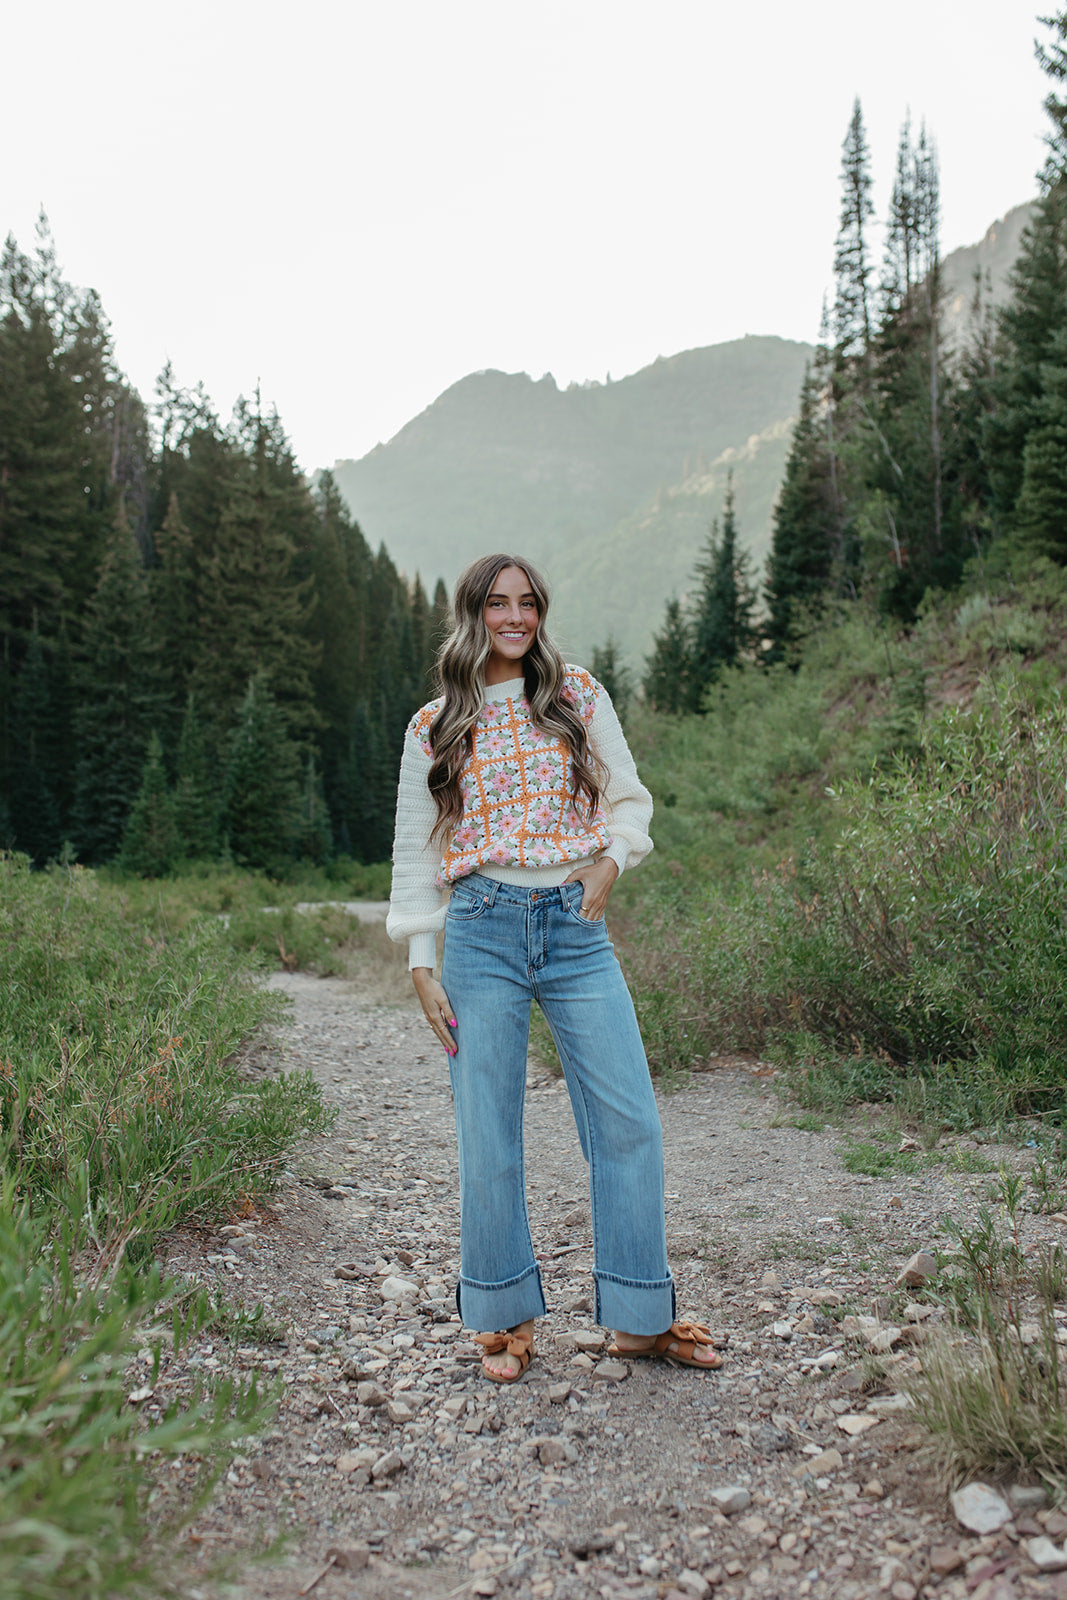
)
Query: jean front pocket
[
  {"x": 574, "y": 906},
  {"x": 465, "y": 904}
]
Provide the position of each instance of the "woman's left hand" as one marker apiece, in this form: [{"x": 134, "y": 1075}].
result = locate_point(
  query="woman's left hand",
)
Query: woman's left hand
[{"x": 597, "y": 881}]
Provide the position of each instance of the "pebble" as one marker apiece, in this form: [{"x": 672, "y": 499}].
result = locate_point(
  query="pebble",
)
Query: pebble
[
  {"x": 980, "y": 1508},
  {"x": 1046, "y": 1556},
  {"x": 919, "y": 1270},
  {"x": 562, "y": 1488},
  {"x": 611, "y": 1371},
  {"x": 398, "y": 1289},
  {"x": 854, "y": 1423},
  {"x": 732, "y": 1499}
]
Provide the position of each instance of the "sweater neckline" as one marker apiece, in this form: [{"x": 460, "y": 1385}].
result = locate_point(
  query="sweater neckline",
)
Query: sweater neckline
[{"x": 510, "y": 689}]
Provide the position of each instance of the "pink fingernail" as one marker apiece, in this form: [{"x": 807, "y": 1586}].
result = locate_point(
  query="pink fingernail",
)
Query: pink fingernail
[{"x": 452, "y": 1023}]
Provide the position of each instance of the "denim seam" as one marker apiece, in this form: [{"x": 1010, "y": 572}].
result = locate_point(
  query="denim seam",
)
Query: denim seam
[
  {"x": 533, "y": 1270},
  {"x": 634, "y": 1283}
]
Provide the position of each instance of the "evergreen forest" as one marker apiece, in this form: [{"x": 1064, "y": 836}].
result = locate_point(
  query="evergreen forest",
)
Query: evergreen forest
[
  {"x": 200, "y": 655},
  {"x": 913, "y": 455}
]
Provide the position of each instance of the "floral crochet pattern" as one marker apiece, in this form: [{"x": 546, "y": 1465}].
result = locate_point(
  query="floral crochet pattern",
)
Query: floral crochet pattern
[{"x": 518, "y": 809}]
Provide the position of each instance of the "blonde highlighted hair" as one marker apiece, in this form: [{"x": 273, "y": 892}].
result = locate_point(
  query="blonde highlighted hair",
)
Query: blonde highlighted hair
[{"x": 461, "y": 663}]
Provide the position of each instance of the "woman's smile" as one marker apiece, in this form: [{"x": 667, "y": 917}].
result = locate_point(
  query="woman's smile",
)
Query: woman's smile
[{"x": 511, "y": 616}]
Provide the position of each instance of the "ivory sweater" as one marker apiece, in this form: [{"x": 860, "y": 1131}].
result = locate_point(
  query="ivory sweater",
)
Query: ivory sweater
[{"x": 519, "y": 822}]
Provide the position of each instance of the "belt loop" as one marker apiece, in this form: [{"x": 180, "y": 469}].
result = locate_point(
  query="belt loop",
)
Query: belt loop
[{"x": 563, "y": 895}]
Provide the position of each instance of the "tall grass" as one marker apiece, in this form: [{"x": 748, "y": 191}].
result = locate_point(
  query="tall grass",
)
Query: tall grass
[{"x": 128, "y": 1102}]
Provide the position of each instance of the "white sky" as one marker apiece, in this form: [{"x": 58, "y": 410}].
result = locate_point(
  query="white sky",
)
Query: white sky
[{"x": 356, "y": 204}]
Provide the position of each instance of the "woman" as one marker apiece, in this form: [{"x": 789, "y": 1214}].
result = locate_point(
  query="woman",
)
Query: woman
[{"x": 518, "y": 795}]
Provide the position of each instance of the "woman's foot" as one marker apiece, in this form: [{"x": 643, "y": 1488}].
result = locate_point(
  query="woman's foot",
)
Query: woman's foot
[
  {"x": 688, "y": 1343},
  {"x": 501, "y": 1364}
]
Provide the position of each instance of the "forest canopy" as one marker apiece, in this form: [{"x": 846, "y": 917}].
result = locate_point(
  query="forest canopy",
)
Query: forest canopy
[{"x": 199, "y": 652}]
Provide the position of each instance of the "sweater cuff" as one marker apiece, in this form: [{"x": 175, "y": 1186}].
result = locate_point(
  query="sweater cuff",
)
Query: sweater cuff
[
  {"x": 422, "y": 950},
  {"x": 618, "y": 852}
]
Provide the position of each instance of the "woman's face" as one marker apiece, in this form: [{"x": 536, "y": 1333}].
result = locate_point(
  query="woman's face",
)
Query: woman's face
[{"x": 511, "y": 615}]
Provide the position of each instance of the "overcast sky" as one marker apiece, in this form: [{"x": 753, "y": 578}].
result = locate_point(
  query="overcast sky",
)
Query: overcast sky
[{"x": 356, "y": 204}]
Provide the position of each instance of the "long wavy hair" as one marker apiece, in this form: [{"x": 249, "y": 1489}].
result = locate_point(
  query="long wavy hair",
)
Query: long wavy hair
[{"x": 461, "y": 663}]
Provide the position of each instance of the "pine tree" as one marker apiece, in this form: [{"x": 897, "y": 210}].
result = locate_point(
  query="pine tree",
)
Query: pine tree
[
  {"x": 196, "y": 798},
  {"x": 1040, "y": 519},
  {"x": 610, "y": 669},
  {"x": 261, "y": 799},
  {"x": 1035, "y": 315},
  {"x": 804, "y": 539},
  {"x": 120, "y": 698},
  {"x": 852, "y": 263},
  {"x": 721, "y": 628},
  {"x": 314, "y": 837},
  {"x": 150, "y": 843},
  {"x": 667, "y": 669},
  {"x": 32, "y": 810}
]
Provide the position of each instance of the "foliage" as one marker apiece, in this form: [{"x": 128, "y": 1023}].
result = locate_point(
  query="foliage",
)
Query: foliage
[
  {"x": 137, "y": 572},
  {"x": 933, "y": 931},
  {"x": 78, "y": 1460},
  {"x": 121, "y": 1077},
  {"x": 993, "y": 1390},
  {"x": 127, "y": 1103}
]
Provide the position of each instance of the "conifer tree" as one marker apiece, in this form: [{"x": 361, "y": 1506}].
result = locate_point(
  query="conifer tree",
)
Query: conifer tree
[
  {"x": 609, "y": 668},
  {"x": 314, "y": 838},
  {"x": 253, "y": 607},
  {"x": 803, "y": 541},
  {"x": 33, "y": 814},
  {"x": 852, "y": 255},
  {"x": 667, "y": 669},
  {"x": 721, "y": 628},
  {"x": 261, "y": 799},
  {"x": 120, "y": 698},
  {"x": 196, "y": 797},
  {"x": 150, "y": 843},
  {"x": 1040, "y": 517}
]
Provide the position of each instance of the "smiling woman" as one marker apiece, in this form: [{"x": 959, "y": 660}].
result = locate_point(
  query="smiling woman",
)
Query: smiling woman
[{"x": 520, "y": 802}]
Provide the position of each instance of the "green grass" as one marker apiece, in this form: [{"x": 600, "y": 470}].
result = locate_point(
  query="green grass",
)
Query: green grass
[
  {"x": 875, "y": 1161},
  {"x": 129, "y": 1101}
]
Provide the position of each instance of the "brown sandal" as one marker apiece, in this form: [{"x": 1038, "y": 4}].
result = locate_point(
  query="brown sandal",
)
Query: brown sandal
[
  {"x": 519, "y": 1345},
  {"x": 686, "y": 1336}
]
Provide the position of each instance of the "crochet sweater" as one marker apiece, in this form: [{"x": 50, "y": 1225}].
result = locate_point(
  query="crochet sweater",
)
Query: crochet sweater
[{"x": 519, "y": 822}]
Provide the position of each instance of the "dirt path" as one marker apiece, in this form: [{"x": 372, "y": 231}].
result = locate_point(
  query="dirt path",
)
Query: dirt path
[{"x": 588, "y": 1478}]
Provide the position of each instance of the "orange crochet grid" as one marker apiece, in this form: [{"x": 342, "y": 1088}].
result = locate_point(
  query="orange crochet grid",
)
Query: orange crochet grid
[{"x": 517, "y": 806}]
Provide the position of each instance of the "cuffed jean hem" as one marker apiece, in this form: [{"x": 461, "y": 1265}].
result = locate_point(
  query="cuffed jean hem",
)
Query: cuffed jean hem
[
  {"x": 490, "y": 1307},
  {"x": 629, "y": 1307}
]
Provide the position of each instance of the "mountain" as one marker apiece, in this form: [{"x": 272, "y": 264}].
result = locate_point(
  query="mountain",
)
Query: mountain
[
  {"x": 993, "y": 257},
  {"x": 579, "y": 479},
  {"x": 611, "y": 487}
]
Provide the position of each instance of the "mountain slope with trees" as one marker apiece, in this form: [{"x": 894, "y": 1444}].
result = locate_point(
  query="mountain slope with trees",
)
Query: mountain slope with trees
[
  {"x": 190, "y": 636},
  {"x": 502, "y": 462}
]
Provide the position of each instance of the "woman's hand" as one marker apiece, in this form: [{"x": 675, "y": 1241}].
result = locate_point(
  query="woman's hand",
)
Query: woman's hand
[
  {"x": 435, "y": 1006},
  {"x": 597, "y": 881}
]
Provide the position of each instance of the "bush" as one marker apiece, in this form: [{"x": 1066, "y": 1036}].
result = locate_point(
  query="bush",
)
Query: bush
[
  {"x": 933, "y": 933},
  {"x": 76, "y": 1457},
  {"x": 120, "y": 1063}
]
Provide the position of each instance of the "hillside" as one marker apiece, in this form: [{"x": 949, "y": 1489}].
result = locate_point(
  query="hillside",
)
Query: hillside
[
  {"x": 575, "y": 478},
  {"x": 612, "y": 487}
]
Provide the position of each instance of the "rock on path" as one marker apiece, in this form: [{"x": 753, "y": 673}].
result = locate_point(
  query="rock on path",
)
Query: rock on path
[{"x": 398, "y": 1472}]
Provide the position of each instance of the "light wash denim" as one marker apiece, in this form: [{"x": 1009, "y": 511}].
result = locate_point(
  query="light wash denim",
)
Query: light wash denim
[{"x": 506, "y": 946}]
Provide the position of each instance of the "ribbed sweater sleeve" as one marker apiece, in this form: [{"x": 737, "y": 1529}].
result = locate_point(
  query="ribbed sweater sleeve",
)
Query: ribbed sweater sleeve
[
  {"x": 417, "y": 908},
  {"x": 626, "y": 802}
]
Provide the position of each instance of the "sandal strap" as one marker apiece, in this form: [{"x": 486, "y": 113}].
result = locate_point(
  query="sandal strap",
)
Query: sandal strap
[
  {"x": 687, "y": 1336},
  {"x": 516, "y": 1344}
]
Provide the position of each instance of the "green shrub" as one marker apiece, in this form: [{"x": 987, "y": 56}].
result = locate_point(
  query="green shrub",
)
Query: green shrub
[
  {"x": 120, "y": 1058},
  {"x": 77, "y": 1459},
  {"x": 933, "y": 932}
]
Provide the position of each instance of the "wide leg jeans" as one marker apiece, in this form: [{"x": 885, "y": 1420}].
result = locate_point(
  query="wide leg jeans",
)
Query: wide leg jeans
[{"x": 505, "y": 947}]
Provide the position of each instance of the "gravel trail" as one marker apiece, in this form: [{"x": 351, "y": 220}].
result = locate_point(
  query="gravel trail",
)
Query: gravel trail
[{"x": 397, "y": 1471}]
